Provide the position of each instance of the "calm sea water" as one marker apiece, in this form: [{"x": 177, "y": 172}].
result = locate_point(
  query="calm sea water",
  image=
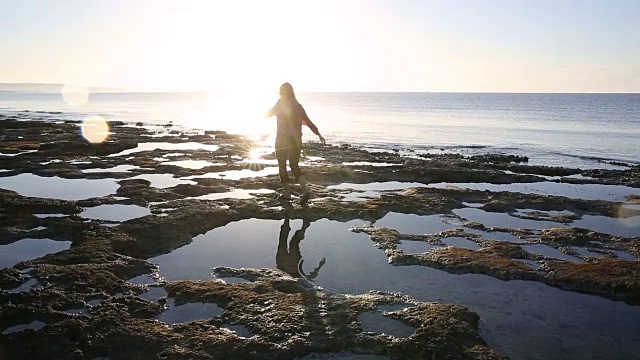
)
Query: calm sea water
[{"x": 553, "y": 129}]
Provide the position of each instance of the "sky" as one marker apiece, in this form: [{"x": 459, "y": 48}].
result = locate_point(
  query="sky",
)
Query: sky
[{"x": 327, "y": 45}]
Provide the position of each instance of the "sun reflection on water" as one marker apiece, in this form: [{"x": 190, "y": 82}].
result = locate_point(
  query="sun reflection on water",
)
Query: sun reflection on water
[{"x": 235, "y": 113}]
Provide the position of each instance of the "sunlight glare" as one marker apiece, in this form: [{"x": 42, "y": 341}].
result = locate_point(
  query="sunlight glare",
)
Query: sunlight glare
[
  {"x": 75, "y": 96},
  {"x": 236, "y": 112},
  {"x": 255, "y": 154},
  {"x": 95, "y": 129}
]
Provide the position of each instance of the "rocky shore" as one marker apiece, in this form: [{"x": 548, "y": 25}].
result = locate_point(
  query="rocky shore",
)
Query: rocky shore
[{"x": 84, "y": 302}]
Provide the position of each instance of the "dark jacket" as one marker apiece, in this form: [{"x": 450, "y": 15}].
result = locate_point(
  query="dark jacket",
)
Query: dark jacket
[{"x": 291, "y": 116}]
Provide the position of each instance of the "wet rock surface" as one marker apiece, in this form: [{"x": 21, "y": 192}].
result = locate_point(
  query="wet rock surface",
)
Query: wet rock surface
[
  {"x": 606, "y": 276},
  {"x": 288, "y": 316}
]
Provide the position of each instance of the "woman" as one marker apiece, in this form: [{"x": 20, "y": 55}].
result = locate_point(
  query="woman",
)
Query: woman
[{"x": 291, "y": 116}]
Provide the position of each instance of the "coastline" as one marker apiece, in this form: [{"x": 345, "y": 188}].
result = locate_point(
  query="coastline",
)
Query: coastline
[
  {"x": 289, "y": 316},
  {"x": 568, "y": 130}
]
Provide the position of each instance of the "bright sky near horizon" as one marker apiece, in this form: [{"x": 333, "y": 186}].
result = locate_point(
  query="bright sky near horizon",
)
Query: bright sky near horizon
[{"x": 328, "y": 45}]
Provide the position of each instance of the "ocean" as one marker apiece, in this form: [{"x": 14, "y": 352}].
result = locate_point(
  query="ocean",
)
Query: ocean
[
  {"x": 520, "y": 319},
  {"x": 579, "y": 130}
]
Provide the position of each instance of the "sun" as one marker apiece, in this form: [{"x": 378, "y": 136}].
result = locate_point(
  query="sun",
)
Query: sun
[{"x": 236, "y": 112}]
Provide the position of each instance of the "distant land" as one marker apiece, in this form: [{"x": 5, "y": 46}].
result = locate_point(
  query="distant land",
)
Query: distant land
[
  {"x": 48, "y": 88},
  {"x": 55, "y": 88}
]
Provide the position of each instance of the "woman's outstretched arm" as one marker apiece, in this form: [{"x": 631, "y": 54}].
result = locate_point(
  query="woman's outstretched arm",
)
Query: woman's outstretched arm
[
  {"x": 307, "y": 122},
  {"x": 274, "y": 110}
]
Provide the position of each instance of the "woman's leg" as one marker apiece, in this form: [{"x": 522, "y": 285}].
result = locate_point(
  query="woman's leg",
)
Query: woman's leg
[
  {"x": 294, "y": 159},
  {"x": 282, "y": 153},
  {"x": 284, "y": 179}
]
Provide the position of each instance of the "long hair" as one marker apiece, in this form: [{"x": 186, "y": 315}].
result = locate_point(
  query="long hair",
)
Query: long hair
[{"x": 287, "y": 94}]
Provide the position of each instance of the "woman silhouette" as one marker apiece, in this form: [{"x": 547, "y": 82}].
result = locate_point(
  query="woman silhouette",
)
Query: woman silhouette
[{"x": 291, "y": 116}]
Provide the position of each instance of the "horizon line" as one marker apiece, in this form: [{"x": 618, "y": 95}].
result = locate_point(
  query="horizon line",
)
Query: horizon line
[{"x": 132, "y": 90}]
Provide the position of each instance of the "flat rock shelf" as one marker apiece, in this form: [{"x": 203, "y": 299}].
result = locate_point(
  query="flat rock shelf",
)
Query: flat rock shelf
[{"x": 178, "y": 246}]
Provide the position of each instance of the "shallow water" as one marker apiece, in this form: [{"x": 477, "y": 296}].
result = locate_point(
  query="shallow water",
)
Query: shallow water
[
  {"x": 495, "y": 235},
  {"x": 260, "y": 161},
  {"x": 530, "y": 263},
  {"x": 192, "y": 164},
  {"x": 376, "y": 186},
  {"x": 472, "y": 205},
  {"x": 34, "y": 325},
  {"x": 547, "y": 215},
  {"x": 234, "y": 194},
  {"x": 188, "y": 312},
  {"x": 549, "y": 252},
  {"x": 416, "y": 247},
  {"x": 584, "y": 252},
  {"x": 240, "y": 330},
  {"x": 144, "y": 279},
  {"x": 154, "y": 293},
  {"x": 555, "y": 319},
  {"x": 115, "y": 212},
  {"x": 358, "y": 196},
  {"x": 461, "y": 242},
  {"x": 622, "y": 255},
  {"x": 150, "y": 146},
  {"x": 374, "y": 321},
  {"x": 118, "y": 168},
  {"x": 502, "y": 306},
  {"x": 18, "y": 153},
  {"x": 575, "y": 191},
  {"x": 94, "y": 302},
  {"x": 415, "y": 224},
  {"x": 28, "y": 249},
  {"x": 313, "y": 158},
  {"x": 232, "y": 245},
  {"x": 26, "y": 287},
  {"x": 163, "y": 181},
  {"x": 58, "y": 188},
  {"x": 420, "y": 224},
  {"x": 392, "y": 307},
  {"x": 42, "y": 216},
  {"x": 237, "y": 174},
  {"x": 233, "y": 280},
  {"x": 367, "y": 163},
  {"x": 491, "y": 219},
  {"x": 38, "y": 228},
  {"x": 628, "y": 227}
]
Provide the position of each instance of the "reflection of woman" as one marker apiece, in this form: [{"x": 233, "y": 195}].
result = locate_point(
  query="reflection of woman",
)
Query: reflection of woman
[
  {"x": 291, "y": 116},
  {"x": 289, "y": 258}
]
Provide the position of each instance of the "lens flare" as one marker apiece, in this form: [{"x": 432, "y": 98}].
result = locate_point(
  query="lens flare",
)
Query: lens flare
[
  {"x": 255, "y": 154},
  {"x": 95, "y": 130},
  {"x": 75, "y": 96}
]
